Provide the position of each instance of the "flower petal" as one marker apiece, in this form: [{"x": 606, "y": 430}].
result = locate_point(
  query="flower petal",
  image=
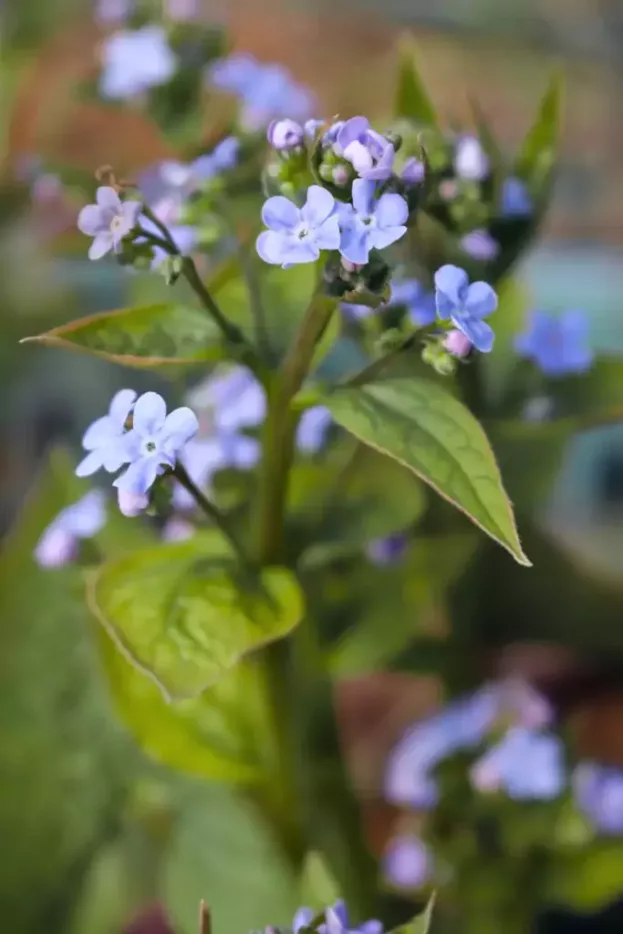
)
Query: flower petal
[
  {"x": 391, "y": 210},
  {"x": 86, "y": 517},
  {"x": 280, "y": 214},
  {"x": 384, "y": 166},
  {"x": 450, "y": 287},
  {"x": 99, "y": 433},
  {"x": 481, "y": 300},
  {"x": 131, "y": 504},
  {"x": 354, "y": 244},
  {"x": 477, "y": 331},
  {"x": 363, "y": 196},
  {"x": 319, "y": 205},
  {"x": 179, "y": 427},
  {"x": 384, "y": 237},
  {"x": 89, "y": 465},
  {"x": 270, "y": 246},
  {"x": 299, "y": 251},
  {"x": 150, "y": 412},
  {"x": 130, "y": 211},
  {"x": 102, "y": 244},
  {"x": 359, "y": 157},
  {"x": 313, "y": 428},
  {"x": 108, "y": 199},
  {"x": 139, "y": 476},
  {"x": 120, "y": 407},
  {"x": 90, "y": 220},
  {"x": 327, "y": 235},
  {"x": 116, "y": 454},
  {"x": 351, "y": 130}
]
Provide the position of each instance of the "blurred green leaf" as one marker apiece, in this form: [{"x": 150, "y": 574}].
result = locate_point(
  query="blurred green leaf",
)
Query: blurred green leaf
[
  {"x": 420, "y": 924},
  {"x": 423, "y": 427},
  {"x": 162, "y": 336},
  {"x": 412, "y": 100},
  {"x": 497, "y": 367},
  {"x": 537, "y": 155},
  {"x": 318, "y": 887},
  {"x": 182, "y": 617},
  {"x": 219, "y": 735},
  {"x": 587, "y": 878}
]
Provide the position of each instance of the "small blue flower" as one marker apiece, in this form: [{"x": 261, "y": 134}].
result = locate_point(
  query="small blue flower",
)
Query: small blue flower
[
  {"x": 268, "y": 92},
  {"x": 112, "y": 12},
  {"x": 419, "y": 302},
  {"x": 470, "y": 160},
  {"x": 480, "y": 245},
  {"x": 557, "y": 344},
  {"x": 104, "y": 439},
  {"x": 369, "y": 153},
  {"x": 527, "y": 765},
  {"x": 388, "y": 550},
  {"x": 313, "y": 427},
  {"x": 297, "y": 235},
  {"x": 466, "y": 305},
  {"x": 235, "y": 73},
  {"x": 58, "y": 544},
  {"x": 515, "y": 201},
  {"x": 370, "y": 223},
  {"x": 407, "y": 862},
  {"x": 154, "y": 442},
  {"x": 413, "y": 171},
  {"x": 598, "y": 791},
  {"x": 336, "y": 921},
  {"x": 108, "y": 221},
  {"x": 284, "y": 135},
  {"x": 135, "y": 61}
]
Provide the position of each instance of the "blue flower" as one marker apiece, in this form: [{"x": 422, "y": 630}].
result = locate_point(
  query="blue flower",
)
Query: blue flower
[
  {"x": 59, "y": 542},
  {"x": 413, "y": 171},
  {"x": 313, "y": 427},
  {"x": 112, "y": 12},
  {"x": 598, "y": 791},
  {"x": 515, "y": 199},
  {"x": 336, "y": 921},
  {"x": 479, "y": 244},
  {"x": 297, "y": 235},
  {"x": 419, "y": 302},
  {"x": 285, "y": 134},
  {"x": 236, "y": 73},
  {"x": 407, "y": 862},
  {"x": 557, "y": 344},
  {"x": 470, "y": 160},
  {"x": 108, "y": 221},
  {"x": 154, "y": 441},
  {"x": 105, "y": 438},
  {"x": 370, "y": 223},
  {"x": 369, "y": 153},
  {"x": 268, "y": 92},
  {"x": 527, "y": 765},
  {"x": 465, "y": 305},
  {"x": 135, "y": 61}
]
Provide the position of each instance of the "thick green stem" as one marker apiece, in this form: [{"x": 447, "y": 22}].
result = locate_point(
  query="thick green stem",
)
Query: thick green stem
[{"x": 212, "y": 511}]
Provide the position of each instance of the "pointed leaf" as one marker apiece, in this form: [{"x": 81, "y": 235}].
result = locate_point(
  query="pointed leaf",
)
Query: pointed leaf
[
  {"x": 412, "y": 100},
  {"x": 179, "y": 614},
  {"x": 421, "y": 923},
  {"x": 538, "y": 151},
  {"x": 422, "y": 426},
  {"x": 159, "y": 336}
]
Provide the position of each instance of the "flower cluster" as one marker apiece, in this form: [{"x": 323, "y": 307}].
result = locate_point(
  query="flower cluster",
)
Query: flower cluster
[
  {"x": 336, "y": 921},
  {"x": 134, "y": 61}
]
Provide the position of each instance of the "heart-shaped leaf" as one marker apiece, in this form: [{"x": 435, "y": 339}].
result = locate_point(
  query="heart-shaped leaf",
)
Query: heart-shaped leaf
[
  {"x": 422, "y": 426},
  {"x": 182, "y": 614}
]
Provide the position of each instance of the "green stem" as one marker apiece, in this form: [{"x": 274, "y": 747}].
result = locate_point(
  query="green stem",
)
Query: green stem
[{"x": 212, "y": 511}]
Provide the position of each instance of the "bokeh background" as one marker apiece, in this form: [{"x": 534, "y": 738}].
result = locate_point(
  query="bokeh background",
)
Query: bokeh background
[{"x": 94, "y": 838}]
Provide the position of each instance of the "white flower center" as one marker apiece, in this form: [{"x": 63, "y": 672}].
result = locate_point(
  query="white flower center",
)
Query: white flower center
[{"x": 116, "y": 223}]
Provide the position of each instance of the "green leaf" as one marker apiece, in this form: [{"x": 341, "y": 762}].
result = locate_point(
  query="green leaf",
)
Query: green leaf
[
  {"x": 179, "y": 614},
  {"x": 412, "y": 100},
  {"x": 160, "y": 336},
  {"x": 318, "y": 887},
  {"x": 219, "y": 735},
  {"x": 420, "y": 924},
  {"x": 538, "y": 152},
  {"x": 498, "y": 367},
  {"x": 422, "y": 426}
]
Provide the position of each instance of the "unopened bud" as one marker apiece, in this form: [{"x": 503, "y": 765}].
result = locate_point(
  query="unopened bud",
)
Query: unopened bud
[
  {"x": 285, "y": 134},
  {"x": 457, "y": 344}
]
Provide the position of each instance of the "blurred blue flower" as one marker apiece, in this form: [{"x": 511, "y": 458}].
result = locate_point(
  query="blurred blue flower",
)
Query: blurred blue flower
[
  {"x": 285, "y": 134},
  {"x": 312, "y": 429},
  {"x": 58, "y": 544},
  {"x": 108, "y": 221},
  {"x": 112, "y": 12},
  {"x": 598, "y": 791},
  {"x": 387, "y": 550},
  {"x": 470, "y": 160},
  {"x": 559, "y": 345},
  {"x": 370, "y": 223},
  {"x": 104, "y": 439},
  {"x": 515, "y": 199},
  {"x": 135, "y": 61},
  {"x": 420, "y": 303},
  {"x": 407, "y": 862},
  {"x": 527, "y": 765},
  {"x": 154, "y": 442},
  {"x": 369, "y": 153},
  {"x": 336, "y": 921},
  {"x": 480, "y": 245},
  {"x": 131, "y": 504},
  {"x": 413, "y": 171},
  {"x": 297, "y": 235},
  {"x": 466, "y": 305}
]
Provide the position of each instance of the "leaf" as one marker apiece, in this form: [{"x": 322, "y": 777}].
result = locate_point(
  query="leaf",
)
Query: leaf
[
  {"x": 422, "y": 426},
  {"x": 219, "y": 735},
  {"x": 498, "y": 367},
  {"x": 158, "y": 336},
  {"x": 179, "y": 615},
  {"x": 412, "y": 100},
  {"x": 318, "y": 887},
  {"x": 538, "y": 151},
  {"x": 420, "y": 924}
]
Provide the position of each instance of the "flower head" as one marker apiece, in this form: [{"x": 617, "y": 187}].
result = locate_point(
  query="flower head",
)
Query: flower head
[
  {"x": 370, "y": 223},
  {"x": 268, "y": 92},
  {"x": 285, "y": 134},
  {"x": 516, "y": 201},
  {"x": 59, "y": 542},
  {"x": 413, "y": 171},
  {"x": 480, "y": 245},
  {"x": 104, "y": 439},
  {"x": 108, "y": 221},
  {"x": 407, "y": 862},
  {"x": 135, "y": 61},
  {"x": 598, "y": 791},
  {"x": 470, "y": 159},
  {"x": 297, "y": 235},
  {"x": 154, "y": 442},
  {"x": 313, "y": 427},
  {"x": 465, "y": 305},
  {"x": 558, "y": 345},
  {"x": 369, "y": 153},
  {"x": 526, "y": 764},
  {"x": 419, "y": 302}
]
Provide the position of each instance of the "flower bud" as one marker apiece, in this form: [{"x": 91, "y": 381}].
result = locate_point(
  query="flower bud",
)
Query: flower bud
[
  {"x": 285, "y": 134},
  {"x": 131, "y": 504},
  {"x": 457, "y": 344},
  {"x": 341, "y": 175}
]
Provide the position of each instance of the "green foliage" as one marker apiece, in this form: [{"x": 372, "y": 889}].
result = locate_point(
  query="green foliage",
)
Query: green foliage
[
  {"x": 318, "y": 887},
  {"x": 412, "y": 101},
  {"x": 423, "y": 427},
  {"x": 181, "y": 615},
  {"x": 537, "y": 155},
  {"x": 421, "y": 923}
]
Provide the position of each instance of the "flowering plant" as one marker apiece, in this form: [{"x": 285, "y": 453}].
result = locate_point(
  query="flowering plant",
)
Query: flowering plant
[{"x": 336, "y": 301}]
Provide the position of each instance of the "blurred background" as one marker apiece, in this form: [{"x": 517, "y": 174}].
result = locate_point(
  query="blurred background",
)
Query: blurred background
[{"x": 94, "y": 838}]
